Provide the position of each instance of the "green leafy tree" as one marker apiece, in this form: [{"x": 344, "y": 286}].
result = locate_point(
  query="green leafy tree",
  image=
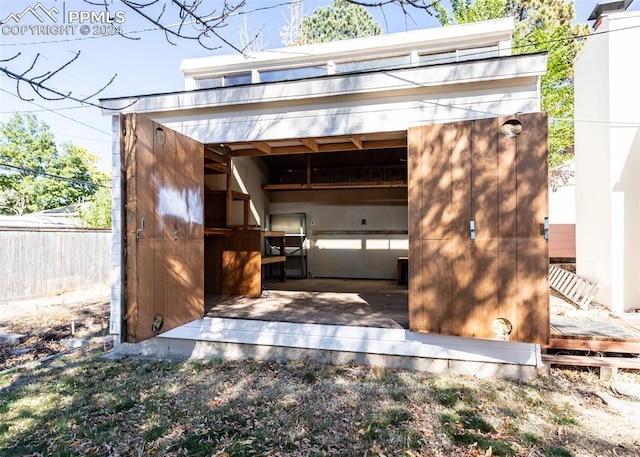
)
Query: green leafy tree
[
  {"x": 97, "y": 212},
  {"x": 35, "y": 175},
  {"x": 341, "y": 21},
  {"x": 541, "y": 25}
]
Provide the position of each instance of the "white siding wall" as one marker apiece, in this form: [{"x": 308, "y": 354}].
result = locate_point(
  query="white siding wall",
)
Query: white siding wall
[
  {"x": 350, "y": 256},
  {"x": 608, "y": 160},
  {"x": 117, "y": 209}
]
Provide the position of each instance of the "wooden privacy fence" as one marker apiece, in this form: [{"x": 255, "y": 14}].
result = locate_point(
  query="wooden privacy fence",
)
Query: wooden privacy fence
[{"x": 37, "y": 262}]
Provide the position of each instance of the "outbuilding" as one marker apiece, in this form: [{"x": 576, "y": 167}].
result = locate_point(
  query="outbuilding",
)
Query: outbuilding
[{"x": 419, "y": 157}]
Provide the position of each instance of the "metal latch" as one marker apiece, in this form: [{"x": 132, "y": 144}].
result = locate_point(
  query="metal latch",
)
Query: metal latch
[
  {"x": 472, "y": 229},
  {"x": 546, "y": 228},
  {"x": 139, "y": 231}
]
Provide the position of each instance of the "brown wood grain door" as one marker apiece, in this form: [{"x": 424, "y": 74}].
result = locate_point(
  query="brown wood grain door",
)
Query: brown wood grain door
[
  {"x": 164, "y": 186},
  {"x": 468, "y": 177}
]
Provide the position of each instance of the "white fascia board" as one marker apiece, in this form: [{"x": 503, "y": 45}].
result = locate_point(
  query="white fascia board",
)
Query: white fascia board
[
  {"x": 434, "y": 40},
  {"x": 374, "y": 84}
]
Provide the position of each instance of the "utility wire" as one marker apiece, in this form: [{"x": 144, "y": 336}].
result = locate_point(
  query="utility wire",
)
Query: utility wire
[
  {"x": 51, "y": 175},
  {"x": 55, "y": 112}
]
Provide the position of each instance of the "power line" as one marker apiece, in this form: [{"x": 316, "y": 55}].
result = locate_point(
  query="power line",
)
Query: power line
[
  {"x": 55, "y": 112},
  {"x": 44, "y": 110},
  {"x": 51, "y": 175}
]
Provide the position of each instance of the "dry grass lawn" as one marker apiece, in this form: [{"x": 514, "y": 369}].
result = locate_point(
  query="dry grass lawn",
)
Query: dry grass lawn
[{"x": 82, "y": 404}]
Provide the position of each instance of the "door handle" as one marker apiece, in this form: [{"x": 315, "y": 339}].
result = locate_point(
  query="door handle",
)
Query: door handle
[
  {"x": 546, "y": 228},
  {"x": 139, "y": 231}
]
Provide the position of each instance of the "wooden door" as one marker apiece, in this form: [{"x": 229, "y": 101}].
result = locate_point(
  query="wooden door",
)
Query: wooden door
[
  {"x": 469, "y": 177},
  {"x": 164, "y": 186}
]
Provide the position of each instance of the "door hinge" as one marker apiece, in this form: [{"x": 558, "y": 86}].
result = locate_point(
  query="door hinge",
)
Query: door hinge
[{"x": 472, "y": 229}]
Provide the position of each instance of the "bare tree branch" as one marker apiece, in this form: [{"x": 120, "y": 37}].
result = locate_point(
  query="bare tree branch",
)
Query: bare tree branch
[
  {"x": 47, "y": 92},
  {"x": 193, "y": 25},
  {"x": 426, "y": 5}
]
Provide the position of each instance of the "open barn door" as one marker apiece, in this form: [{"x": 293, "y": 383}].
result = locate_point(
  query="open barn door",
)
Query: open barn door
[
  {"x": 478, "y": 260},
  {"x": 164, "y": 186}
]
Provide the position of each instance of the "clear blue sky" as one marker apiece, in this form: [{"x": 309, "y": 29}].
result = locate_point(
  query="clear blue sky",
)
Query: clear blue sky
[{"x": 147, "y": 65}]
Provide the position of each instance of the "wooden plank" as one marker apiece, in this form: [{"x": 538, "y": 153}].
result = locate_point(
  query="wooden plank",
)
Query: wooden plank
[
  {"x": 589, "y": 361},
  {"x": 346, "y": 185},
  {"x": 415, "y": 178},
  {"x": 213, "y": 231},
  {"x": 311, "y": 144},
  {"x": 148, "y": 224},
  {"x": 168, "y": 258},
  {"x": 266, "y": 234},
  {"x": 532, "y": 208},
  {"x": 213, "y": 155},
  {"x": 229, "y": 195},
  {"x": 596, "y": 345},
  {"x": 217, "y": 167},
  {"x": 437, "y": 287},
  {"x": 128, "y": 152},
  {"x": 436, "y": 211},
  {"x": 265, "y": 260},
  {"x": 357, "y": 140},
  {"x": 458, "y": 146},
  {"x": 416, "y": 299},
  {"x": 329, "y": 147},
  {"x": 261, "y": 146},
  {"x": 507, "y": 233}
]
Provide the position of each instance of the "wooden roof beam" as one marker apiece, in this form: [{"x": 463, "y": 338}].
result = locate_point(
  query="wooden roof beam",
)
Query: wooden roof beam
[
  {"x": 357, "y": 140},
  {"x": 329, "y": 147},
  {"x": 219, "y": 149},
  {"x": 261, "y": 146},
  {"x": 215, "y": 156},
  {"x": 311, "y": 144},
  {"x": 218, "y": 167}
]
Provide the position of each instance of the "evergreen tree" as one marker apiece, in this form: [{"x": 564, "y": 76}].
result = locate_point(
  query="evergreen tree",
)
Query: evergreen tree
[{"x": 341, "y": 21}]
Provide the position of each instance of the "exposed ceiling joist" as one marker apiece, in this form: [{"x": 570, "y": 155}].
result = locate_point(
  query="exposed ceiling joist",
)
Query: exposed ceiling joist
[
  {"x": 311, "y": 144},
  {"x": 329, "y": 147},
  {"x": 357, "y": 140},
  {"x": 218, "y": 167},
  {"x": 261, "y": 146},
  {"x": 209, "y": 153},
  {"x": 219, "y": 149}
]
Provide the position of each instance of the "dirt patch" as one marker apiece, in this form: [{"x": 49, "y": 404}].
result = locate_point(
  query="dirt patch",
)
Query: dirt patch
[{"x": 48, "y": 321}]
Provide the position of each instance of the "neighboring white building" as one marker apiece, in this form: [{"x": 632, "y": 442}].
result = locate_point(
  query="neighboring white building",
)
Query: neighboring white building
[{"x": 607, "y": 130}]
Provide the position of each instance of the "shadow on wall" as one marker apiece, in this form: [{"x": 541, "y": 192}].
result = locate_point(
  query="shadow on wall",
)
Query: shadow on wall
[
  {"x": 629, "y": 186},
  {"x": 491, "y": 283}
]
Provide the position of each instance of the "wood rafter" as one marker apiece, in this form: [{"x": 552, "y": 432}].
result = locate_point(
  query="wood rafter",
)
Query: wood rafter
[
  {"x": 211, "y": 154},
  {"x": 218, "y": 168},
  {"x": 357, "y": 141},
  {"x": 311, "y": 144},
  {"x": 219, "y": 149},
  {"x": 346, "y": 185},
  {"x": 329, "y": 147},
  {"x": 262, "y": 146}
]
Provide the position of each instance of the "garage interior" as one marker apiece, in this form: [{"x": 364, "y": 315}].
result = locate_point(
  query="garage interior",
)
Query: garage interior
[{"x": 333, "y": 238}]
